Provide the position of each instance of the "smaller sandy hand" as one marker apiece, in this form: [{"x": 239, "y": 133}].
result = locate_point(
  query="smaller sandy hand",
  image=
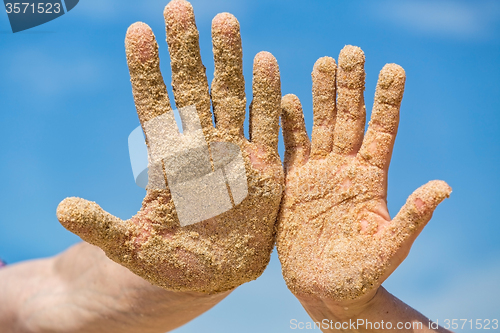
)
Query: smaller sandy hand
[{"x": 335, "y": 236}]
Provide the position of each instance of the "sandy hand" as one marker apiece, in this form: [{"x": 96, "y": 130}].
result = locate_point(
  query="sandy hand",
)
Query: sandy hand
[
  {"x": 222, "y": 252},
  {"x": 335, "y": 236}
]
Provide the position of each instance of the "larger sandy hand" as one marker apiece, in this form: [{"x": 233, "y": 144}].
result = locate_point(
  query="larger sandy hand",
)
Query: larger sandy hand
[
  {"x": 335, "y": 236},
  {"x": 234, "y": 247}
]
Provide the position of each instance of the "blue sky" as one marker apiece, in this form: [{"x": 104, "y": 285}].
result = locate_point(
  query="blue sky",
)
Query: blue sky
[{"x": 67, "y": 109}]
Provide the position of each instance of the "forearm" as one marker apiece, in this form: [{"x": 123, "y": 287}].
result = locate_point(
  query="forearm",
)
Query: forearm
[
  {"x": 17, "y": 284},
  {"x": 383, "y": 312},
  {"x": 81, "y": 290}
]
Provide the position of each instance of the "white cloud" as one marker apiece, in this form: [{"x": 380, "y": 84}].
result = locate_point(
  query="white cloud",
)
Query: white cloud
[
  {"x": 441, "y": 17},
  {"x": 41, "y": 73}
]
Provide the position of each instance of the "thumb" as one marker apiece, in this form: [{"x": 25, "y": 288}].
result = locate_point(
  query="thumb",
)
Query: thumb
[
  {"x": 418, "y": 209},
  {"x": 89, "y": 221}
]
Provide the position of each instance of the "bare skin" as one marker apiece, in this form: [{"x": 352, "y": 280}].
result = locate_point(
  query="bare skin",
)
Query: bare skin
[
  {"x": 336, "y": 241},
  {"x": 221, "y": 253},
  {"x": 82, "y": 291}
]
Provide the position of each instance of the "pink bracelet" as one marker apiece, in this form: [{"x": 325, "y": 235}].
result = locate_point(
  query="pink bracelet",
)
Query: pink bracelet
[{"x": 2, "y": 263}]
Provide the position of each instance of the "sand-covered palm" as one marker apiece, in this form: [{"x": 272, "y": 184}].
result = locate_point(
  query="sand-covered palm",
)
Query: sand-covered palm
[
  {"x": 335, "y": 236},
  {"x": 234, "y": 247}
]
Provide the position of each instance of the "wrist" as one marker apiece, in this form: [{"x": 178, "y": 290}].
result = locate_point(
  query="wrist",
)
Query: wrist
[{"x": 320, "y": 308}]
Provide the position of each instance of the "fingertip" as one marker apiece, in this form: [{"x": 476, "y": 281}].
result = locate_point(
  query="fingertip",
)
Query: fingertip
[
  {"x": 265, "y": 57},
  {"x": 225, "y": 23},
  {"x": 441, "y": 188},
  {"x": 289, "y": 100},
  {"x": 351, "y": 75},
  {"x": 73, "y": 213},
  {"x": 390, "y": 85},
  {"x": 392, "y": 75},
  {"x": 266, "y": 75},
  {"x": 178, "y": 6},
  {"x": 89, "y": 221},
  {"x": 427, "y": 197},
  {"x": 265, "y": 64},
  {"x": 351, "y": 57},
  {"x": 226, "y": 37},
  {"x": 179, "y": 11},
  {"x": 325, "y": 65},
  {"x": 140, "y": 43},
  {"x": 138, "y": 29},
  {"x": 395, "y": 70},
  {"x": 291, "y": 109},
  {"x": 292, "y": 115},
  {"x": 66, "y": 207}
]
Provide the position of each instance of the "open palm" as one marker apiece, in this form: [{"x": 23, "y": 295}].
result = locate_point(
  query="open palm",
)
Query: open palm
[
  {"x": 335, "y": 236},
  {"x": 234, "y": 247}
]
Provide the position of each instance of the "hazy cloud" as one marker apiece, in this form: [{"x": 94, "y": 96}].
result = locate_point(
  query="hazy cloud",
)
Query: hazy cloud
[
  {"x": 44, "y": 75},
  {"x": 442, "y": 17},
  {"x": 472, "y": 294}
]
